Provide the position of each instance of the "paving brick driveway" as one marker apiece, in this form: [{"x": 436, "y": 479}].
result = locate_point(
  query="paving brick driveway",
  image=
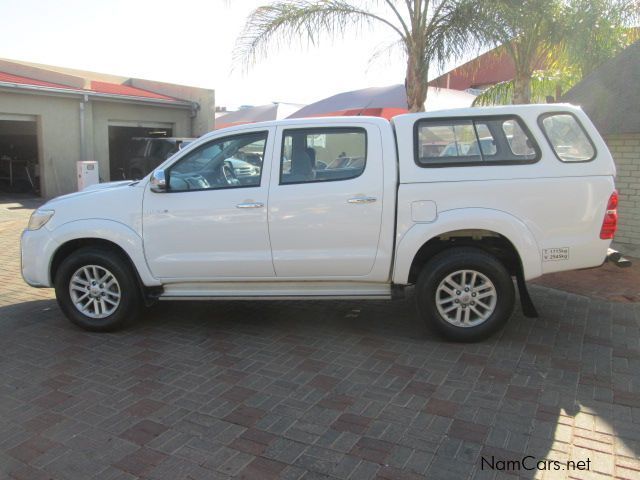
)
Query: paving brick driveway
[{"x": 311, "y": 390}]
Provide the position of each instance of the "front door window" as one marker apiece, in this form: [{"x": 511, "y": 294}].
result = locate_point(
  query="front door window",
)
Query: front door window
[{"x": 230, "y": 162}]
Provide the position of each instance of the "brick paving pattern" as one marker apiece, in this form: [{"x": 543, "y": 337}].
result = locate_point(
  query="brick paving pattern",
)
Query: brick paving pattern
[
  {"x": 346, "y": 390},
  {"x": 608, "y": 282}
]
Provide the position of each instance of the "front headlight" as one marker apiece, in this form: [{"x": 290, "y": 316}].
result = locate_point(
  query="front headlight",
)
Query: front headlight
[{"x": 39, "y": 218}]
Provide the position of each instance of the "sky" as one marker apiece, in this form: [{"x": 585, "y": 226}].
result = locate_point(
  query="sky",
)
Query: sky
[{"x": 191, "y": 42}]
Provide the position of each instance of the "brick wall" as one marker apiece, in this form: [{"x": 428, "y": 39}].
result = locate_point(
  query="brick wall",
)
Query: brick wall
[{"x": 625, "y": 149}]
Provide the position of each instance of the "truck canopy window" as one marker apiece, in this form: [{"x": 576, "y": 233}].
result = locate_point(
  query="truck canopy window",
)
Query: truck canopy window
[
  {"x": 473, "y": 141},
  {"x": 567, "y": 137}
]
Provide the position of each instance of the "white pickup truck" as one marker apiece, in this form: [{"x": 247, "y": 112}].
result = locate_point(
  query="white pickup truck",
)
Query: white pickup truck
[{"x": 456, "y": 203}]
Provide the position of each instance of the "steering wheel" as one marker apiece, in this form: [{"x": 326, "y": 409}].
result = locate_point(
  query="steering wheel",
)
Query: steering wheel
[
  {"x": 196, "y": 182},
  {"x": 229, "y": 174}
]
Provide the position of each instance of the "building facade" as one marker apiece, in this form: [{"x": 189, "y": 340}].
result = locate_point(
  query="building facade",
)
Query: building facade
[{"x": 51, "y": 117}]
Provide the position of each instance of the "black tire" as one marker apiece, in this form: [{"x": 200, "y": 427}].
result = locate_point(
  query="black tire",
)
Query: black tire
[
  {"x": 454, "y": 260},
  {"x": 130, "y": 302}
]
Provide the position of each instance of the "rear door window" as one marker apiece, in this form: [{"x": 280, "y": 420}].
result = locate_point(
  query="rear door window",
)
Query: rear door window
[
  {"x": 322, "y": 154},
  {"x": 567, "y": 137},
  {"x": 473, "y": 141}
]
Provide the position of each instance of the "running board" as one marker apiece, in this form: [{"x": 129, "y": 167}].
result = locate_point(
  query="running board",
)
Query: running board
[{"x": 276, "y": 291}]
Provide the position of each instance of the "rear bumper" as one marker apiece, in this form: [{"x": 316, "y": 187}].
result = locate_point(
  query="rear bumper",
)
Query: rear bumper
[{"x": 36, "y": 250}]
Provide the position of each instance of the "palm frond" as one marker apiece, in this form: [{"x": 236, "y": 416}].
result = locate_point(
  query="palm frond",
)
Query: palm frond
[
  {"x": 278, "y": 23},
  {"x": 453, "y": 30},
  {"x": 387, "y": 50},
  {"x": 544, "y": 84},
  {"x": 403, "y": 22},
  {"x": 498, "y": 94}
]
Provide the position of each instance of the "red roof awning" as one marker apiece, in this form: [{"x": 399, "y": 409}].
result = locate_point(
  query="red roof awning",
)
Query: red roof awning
[
  {"x": 118, "y": 89},
  {"x": 96, "y": 86}
]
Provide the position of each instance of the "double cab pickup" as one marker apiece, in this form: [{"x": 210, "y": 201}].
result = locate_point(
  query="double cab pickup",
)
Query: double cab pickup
[{"x": 463, "y": 205}]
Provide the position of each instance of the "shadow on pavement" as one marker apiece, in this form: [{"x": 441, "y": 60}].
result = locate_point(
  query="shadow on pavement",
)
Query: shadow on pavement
[{"x": 20, "y": 201}]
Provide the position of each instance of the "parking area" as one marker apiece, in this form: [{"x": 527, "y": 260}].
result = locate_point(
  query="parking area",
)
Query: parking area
[{"x": 347, "y": 390}]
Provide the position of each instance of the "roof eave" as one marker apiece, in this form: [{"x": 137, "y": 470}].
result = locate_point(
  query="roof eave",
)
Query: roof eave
[{"x": 54, "y": 91}]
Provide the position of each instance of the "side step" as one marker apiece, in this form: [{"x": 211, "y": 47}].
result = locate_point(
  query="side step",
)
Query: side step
[{"x": 276, "y": 291}]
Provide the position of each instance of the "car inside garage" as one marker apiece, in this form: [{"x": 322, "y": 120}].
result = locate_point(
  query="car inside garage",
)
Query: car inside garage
[
  {"x": 19, "y": 172},
  {"x": 128, "y": 145}
]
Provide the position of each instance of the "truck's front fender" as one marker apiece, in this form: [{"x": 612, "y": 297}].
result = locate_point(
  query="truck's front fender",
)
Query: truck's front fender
[
  {"x": 111, "y": 231},
  {"x": 491, "y": 220}
]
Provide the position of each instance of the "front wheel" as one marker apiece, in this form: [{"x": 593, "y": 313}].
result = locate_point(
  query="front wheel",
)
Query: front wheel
[
  {"x": 97, "y": 289},
  {"x": 465, "y": 294}
]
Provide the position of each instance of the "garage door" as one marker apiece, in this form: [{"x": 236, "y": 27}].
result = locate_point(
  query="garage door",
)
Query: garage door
[
  {"x": 130, "y": 150},
  {"x": 19, "y": 172}
]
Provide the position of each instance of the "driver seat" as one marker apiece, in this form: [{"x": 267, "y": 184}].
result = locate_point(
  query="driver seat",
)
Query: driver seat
[{"x": 301, "y": 167}]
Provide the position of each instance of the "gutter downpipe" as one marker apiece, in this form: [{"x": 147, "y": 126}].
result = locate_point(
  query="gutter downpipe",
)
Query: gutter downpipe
[
  {"x": 195, "y": 107},
  {"x": 83, "y": 135}
]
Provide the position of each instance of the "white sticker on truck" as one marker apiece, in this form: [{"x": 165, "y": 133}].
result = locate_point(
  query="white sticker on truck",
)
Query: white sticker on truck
[{"x": 555, "y": 254}]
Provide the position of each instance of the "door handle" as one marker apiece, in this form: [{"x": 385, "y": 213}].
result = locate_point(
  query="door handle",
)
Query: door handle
[
  {"x": 250, "y": 205},
  {"x": 362, "y": 200}
]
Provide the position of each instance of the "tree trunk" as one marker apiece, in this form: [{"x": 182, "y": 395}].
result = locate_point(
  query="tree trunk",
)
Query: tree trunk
[
  {"x": 416, "y": 82},
  {"x": 522, "y": 88}
]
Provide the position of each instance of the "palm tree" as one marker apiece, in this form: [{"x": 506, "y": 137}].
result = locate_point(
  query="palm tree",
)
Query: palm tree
[
  {"x": 554, "y": 43},
  {"x": 526, "y": 30},
  {"x": 544, "y": 85},
  {"x": 428, "y": 31},
  {"x": 596, "y": 30}
]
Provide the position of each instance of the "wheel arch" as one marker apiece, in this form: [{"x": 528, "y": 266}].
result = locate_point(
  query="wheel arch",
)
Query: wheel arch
[
  {"x": 494, "y": 231},
  {"x": 71, "y": 246},
  {"x": 106, "y": 234}
]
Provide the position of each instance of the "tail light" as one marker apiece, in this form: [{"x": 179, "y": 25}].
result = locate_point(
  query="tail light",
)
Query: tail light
[{"x": 610, "y": 222}]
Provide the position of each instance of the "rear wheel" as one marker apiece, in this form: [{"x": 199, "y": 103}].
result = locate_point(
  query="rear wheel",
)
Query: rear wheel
[
  {"x": 465, "y": 294},
  {"x": 97, "y": 289}
]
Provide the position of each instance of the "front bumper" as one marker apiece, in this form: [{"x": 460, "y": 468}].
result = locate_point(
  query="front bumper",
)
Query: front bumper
[{"x": 36, "y": 251}]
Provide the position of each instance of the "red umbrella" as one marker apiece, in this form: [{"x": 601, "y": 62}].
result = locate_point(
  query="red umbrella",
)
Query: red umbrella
[{"x": 384, "y": 102}]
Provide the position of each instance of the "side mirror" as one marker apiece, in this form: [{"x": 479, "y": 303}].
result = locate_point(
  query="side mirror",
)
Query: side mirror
[{"x": 158, "y": 181}]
